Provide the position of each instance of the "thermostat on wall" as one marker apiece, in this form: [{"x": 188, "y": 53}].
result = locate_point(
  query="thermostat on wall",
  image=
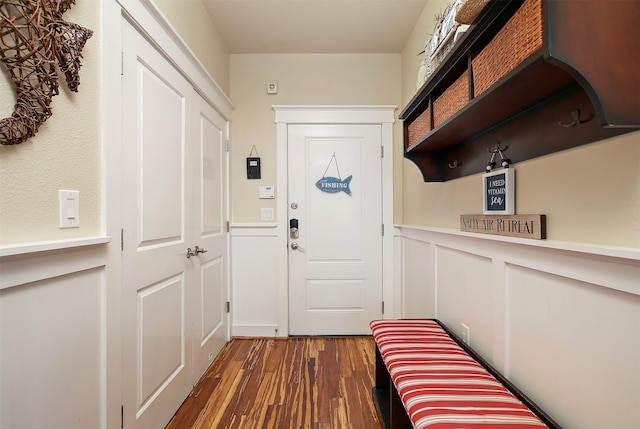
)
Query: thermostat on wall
[{"x": 267, "y": 192}]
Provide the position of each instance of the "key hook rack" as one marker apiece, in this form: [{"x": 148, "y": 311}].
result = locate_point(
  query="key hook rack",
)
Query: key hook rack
[{"x": 505, "y": 162}]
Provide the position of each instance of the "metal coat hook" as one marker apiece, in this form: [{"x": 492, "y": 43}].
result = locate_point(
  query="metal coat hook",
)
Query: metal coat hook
[
  {"x": 498, "y": 150},
  {"x": 575, "y": 120}
]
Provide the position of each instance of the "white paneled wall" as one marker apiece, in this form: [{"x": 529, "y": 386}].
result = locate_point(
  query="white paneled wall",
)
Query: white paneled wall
[
  {"x": 588, "y": 341},
  {"x": 562, "y": 321},
  {"x": 467, "y": 275},
  {"x": 53, "y": 339},
  {"x": 419, "y": 287},
  {"x": 255, "y": 277}
]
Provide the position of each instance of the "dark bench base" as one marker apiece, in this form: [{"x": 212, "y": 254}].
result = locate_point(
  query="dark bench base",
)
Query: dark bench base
[{"x": 387, "y": 400}]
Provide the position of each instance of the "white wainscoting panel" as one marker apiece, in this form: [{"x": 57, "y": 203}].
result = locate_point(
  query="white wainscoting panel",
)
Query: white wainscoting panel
[
  {"x": 465, "y": 295},
  {"x": 53, "y": 340},
  {"x": 564, "y": 333},
  {"x": 419, "y": 283},
  {"x": 254, "y": 290},
  {"x": 561, "y": 320}
]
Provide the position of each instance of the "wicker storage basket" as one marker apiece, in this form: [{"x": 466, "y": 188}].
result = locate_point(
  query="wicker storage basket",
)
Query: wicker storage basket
[
  {"x": 419, "y": 128},
  {"x": 516, "y": 41},
  {"x": 451, "y": 100},
  {"x": 469, "y": 10}
]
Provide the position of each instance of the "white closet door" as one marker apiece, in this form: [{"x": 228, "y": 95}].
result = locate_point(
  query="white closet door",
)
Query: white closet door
[
  {"x": 208, "y": 188},
  {"x": 156, "y": 207}
]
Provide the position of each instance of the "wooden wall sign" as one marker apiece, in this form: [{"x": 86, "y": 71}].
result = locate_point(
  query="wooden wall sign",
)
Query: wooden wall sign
[{"x": 523, "y": 226}]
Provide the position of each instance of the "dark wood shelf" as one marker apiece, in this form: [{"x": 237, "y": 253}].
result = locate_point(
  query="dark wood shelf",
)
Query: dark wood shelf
[{"x": 524, "y": 108}]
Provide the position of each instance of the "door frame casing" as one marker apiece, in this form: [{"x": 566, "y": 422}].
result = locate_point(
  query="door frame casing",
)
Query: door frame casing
[{"x": 286, "y": 115}]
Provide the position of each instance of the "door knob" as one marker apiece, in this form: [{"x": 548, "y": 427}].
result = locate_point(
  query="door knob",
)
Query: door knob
[
  {"x": 296, "y": 246},
  {"x": 195, "y": 252}
]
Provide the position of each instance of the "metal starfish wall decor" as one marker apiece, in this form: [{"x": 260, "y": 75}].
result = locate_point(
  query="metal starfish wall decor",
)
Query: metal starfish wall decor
[{"x": 33, "y": 38}]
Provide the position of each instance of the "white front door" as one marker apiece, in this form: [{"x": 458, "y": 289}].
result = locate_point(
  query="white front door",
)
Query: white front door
[
  {"x": 335, "y": 197},
  {"x": 173, "y": 199}
]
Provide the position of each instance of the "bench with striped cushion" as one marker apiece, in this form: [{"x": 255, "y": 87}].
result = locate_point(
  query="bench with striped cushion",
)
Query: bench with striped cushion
[{"x": 426, "y": 378}]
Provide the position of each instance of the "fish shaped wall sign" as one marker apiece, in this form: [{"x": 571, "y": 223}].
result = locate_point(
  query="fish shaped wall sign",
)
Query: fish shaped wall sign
[
  {"x": 333, "y": 184},
  {"x": 33, "y": 39}
]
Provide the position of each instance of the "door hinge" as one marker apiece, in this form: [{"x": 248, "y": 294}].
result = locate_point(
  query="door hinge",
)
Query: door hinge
[
  {"x": 383, "y": 229},
  {"x": 382, "y": 307},
  {"x": 121, "y": 416},
  {"x": 121, "y": 63},
  {"x": 227, "y": 143},
  {"x": 122, "y": 239},
  {"x": 381, "y": 151},
  {"x": 228, "y": 226},
  {"x": 228, "y": 307}
]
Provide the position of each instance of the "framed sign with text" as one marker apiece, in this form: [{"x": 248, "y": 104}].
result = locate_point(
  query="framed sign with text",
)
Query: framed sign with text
[{"x": 498, "y": 192}]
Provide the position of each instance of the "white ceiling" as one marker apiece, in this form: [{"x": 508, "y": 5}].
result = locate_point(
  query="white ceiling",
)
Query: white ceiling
[{"x": 314, "y": 26}]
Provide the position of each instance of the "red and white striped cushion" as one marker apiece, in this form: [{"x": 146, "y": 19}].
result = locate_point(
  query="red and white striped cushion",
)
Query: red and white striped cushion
[{"x": 440, "y": 385}]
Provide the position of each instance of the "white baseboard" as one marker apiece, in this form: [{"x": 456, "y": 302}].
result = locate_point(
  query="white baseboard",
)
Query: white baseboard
[{"x": 255, "y": 331}]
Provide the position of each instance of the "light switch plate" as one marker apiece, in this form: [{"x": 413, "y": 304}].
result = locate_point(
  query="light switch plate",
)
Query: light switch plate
[
  {"x": 266, "y": 214},
  {"x": 69, "y": 208}
]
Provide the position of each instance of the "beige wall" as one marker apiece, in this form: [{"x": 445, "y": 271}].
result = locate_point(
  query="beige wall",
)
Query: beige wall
[
  {"x": 590, "y": 194},
  {"x": 421, "y": 33},
  {"x": 303, "y": 79},
  {"x": 415, "y": 44},
  {"x": 191, "y": 20},
  {"x": 598, "y": 201},
  {"x": 67, "y": 151},
  {"x": 65, "y": 154}
]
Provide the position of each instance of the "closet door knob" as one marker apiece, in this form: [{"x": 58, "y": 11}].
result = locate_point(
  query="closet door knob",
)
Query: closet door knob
[{"x": 195, "y": 252}]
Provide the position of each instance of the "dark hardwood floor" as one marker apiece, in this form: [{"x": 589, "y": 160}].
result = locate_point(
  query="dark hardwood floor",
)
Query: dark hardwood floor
[{"x": 269, "y": 383}]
